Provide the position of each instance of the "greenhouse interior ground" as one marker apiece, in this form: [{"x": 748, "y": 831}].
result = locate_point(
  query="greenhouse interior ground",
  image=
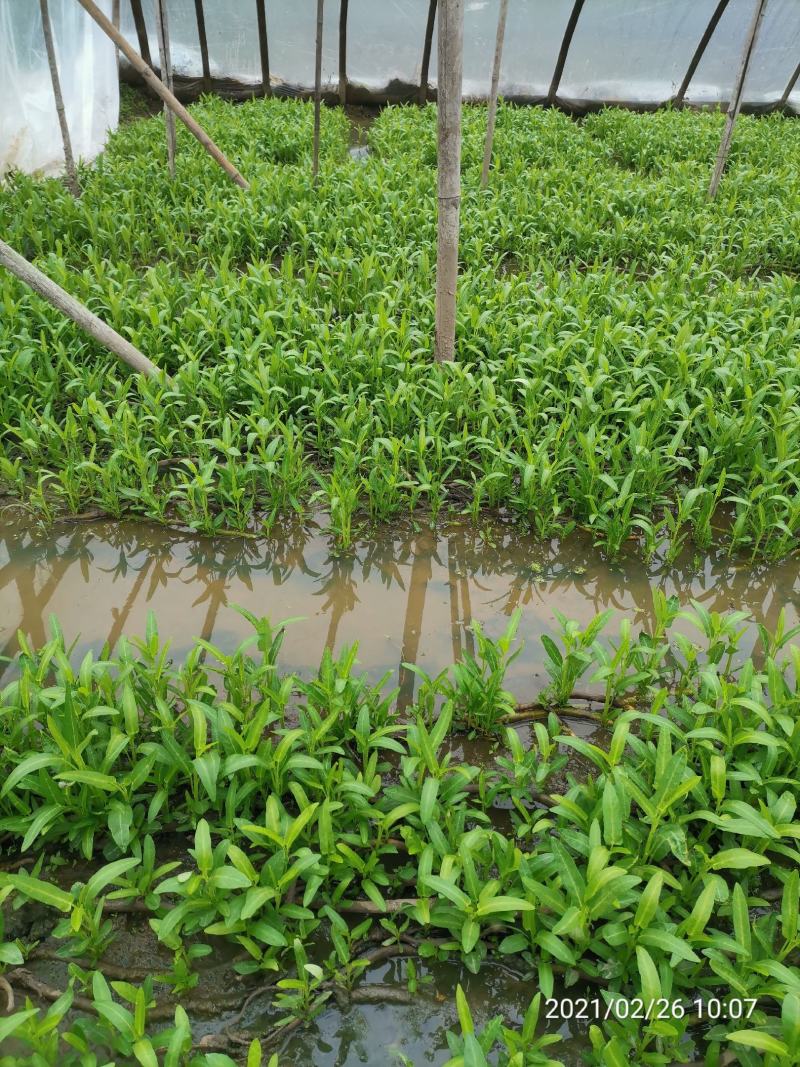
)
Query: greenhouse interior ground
[{"x": 360, "y": 704}]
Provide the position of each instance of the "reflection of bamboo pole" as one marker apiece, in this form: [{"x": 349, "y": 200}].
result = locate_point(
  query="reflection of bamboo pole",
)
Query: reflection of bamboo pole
[
  {"x": 498, "y": 58},
  {"x": 421, "y": 572},
  {"x": 736, "y": 100},
  {"x": 69, "y": 159},
  {"x": 426, "y": 53},
  {"x": 317, "y": 89},
  {"x": 562, "y": 55},
  {"x": 452, "y": 585},
  {"x": 466, "y": 600},
  {"x": 451, "y": 53},
  {"x": 699, "y": 52},
  {"x": 143, "y": 68},
  {"x": 165, "y": 60},
  {"x": 122, "y": 617}
]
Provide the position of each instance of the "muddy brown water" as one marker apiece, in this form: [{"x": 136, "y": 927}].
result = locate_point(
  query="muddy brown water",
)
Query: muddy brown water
[{"x": 407, "y": 595}]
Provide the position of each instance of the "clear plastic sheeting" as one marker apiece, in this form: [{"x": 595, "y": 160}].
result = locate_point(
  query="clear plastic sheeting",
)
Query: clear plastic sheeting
[
  {"x": 30, "y": 136},
  {"x": 634, "y": 52}
]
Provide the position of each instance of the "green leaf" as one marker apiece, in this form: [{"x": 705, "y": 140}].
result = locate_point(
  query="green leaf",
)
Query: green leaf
[
  {"x": 736, "y": 859},
  {"x": 760, "y": 1041},
  {"x": 30, "y": 765},
  {"x": 651, "y": 984},
  {"x": 43, "y": 892},
  {"x": 443, "y": 888},
  {"x": 13, "y": 1022},
  {"x": 464, "y": 1014},
  {"x": 112, "y": 872}
]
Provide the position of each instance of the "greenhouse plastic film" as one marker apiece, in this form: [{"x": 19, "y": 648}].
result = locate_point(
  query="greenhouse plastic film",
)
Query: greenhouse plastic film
[
  {"x": 634, "y": 52},
  {"x": 30, "y": 137}
]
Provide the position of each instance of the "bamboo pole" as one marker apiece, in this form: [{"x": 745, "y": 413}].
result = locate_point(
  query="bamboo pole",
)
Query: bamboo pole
[
  {"x": 736, "y": 100},
  {"x": 450, "y": 55},
  {"x": 426, "y": 53},
  {"x": 161, "y": 90},
  {"x": 317, "y": 90},
  {"x": 569, "y": 32},
  {"x": 343, "y": 10},
  {"x": 69, "y": 159},
  {"x": 787, "y": 91},
  {"x": 141, "y": 31},
  {"x": 115, "y": 20},
  {"x": 73, "y": 309},
  {"x": 203, "y": 41},
  {"x": 699, "y": 52},
  {"x": 492, "y": 116},
  {"x": 165, "y": 60},
  {"x": 263, "y": 47}
]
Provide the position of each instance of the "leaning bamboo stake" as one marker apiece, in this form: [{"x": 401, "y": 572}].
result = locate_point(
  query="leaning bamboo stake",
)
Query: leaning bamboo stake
[
  {"x": 699, "y": 52},
  {"x": 426, "y": 54},
  {"x": 343, "y": 10},
  {"x": 73, "y": 309},
  {"x": 69, "y": 159},
  {"x": 569, "y": 33},
  {"x": 492, "y": 116},
  {"x": 165, "y": 59},
  {"x": 317, "y": 90},
  {"x": 141, "y": 31},
  {"x": 451, "y": 51},
  {"x": 736, "y": 100},
  {"x": 202, "y": 38},
  {"x": 162, "y": 91},
  {"x": 791, "y": 84}
]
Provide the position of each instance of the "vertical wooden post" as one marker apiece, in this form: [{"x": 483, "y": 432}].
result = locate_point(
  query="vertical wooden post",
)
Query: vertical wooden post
[
  {"x": 343, "y": 10},
  {"x": 165, "y": 61},
  {"x": 263, "y": 47},
  {"x": 158, "y": 87},
  {"x": 141, "y": 31},
  {"x": 492, "y": 116},
  {"x": 426, "y": 53},
  {"x": 736, "y": 99},
  {"x": 203, "y": 40},
  {"x": 317, "y": 90},
  {"x": 792, "y": 82},
  {"x": 699, "y": 52},
  {"x": 115, "y": 20},
  {"x": 69, "y": 159},
  {"x": 569, "y": 32},
  {"x": 451, "y": 52}
]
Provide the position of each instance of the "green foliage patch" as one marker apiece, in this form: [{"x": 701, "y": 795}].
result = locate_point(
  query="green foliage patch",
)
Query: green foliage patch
[
  {"x": 627, "y": 350},
  {"x": 655, "y": 858}
]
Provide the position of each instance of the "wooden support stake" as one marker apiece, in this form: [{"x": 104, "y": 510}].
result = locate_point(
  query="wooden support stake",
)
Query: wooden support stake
[
  {"x": 317, "y": 90},
  {"x": 263, "y": 47},
  {"x": 115, "y": 20},
  {"x": 699, "y": 52},
  {"x": 73, "y": 309},
  {"x": 569, "y": 32},
  {"x": 343, "y": 10},
  {"x": 161, "y": 90},
  {"x": 736, "y": 99},
  {"x": 141, "y": 31},
  {"x": 165, "y": 59},
  {"x": 492, "y": 116},
  {"x": 451, "y": 54},
  {"x": 426, "y": 54},
  {"x": 787, "y": 91},
  {"x": 203, "y": 39},
  {"x": 69, "y": 159}
]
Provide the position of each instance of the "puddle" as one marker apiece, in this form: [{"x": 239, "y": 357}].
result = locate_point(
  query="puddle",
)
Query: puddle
[{"x": 406, "y": 594}]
